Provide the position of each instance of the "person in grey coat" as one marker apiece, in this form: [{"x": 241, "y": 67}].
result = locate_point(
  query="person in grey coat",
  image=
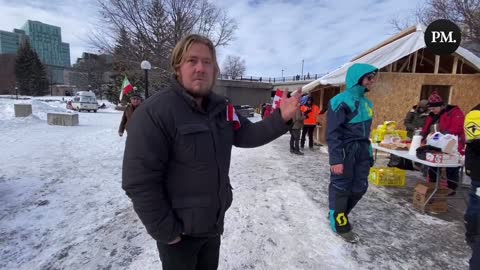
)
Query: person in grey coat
[
  {"x": 177, "y": 157},
  {"x": 416, "y": 117},
  {"x": 295, "y": 132}
]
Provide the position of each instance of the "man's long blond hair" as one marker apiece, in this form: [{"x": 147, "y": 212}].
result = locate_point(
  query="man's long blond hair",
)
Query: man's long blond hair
[{"x": 180, "y": 50}]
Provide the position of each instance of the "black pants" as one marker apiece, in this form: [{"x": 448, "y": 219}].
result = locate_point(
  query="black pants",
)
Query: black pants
[
  {"x": 346, "y": 190},
  {"x": 453, "y": 176},
  {"x": 472, "y": 225},
  {"x": 191, "y": 253},
  {"x": 309, "y": 130},
  {"x": 295, "y": 139}
]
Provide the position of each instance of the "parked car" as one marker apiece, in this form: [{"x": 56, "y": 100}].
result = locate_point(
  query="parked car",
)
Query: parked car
[
  {"x": 245, "y": 110},
  {"x": 85, "y": 101}
]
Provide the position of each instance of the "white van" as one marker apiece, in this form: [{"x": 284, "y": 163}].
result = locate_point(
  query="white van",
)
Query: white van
[{"x": 85, "y": 101}]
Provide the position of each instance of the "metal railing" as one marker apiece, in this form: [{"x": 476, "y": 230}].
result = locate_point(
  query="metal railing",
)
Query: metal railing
[{"x": 307, "y": 77}]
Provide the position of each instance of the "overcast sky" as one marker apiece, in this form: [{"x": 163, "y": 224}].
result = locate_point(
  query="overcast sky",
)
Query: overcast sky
[{"x": 271, "y": 36}]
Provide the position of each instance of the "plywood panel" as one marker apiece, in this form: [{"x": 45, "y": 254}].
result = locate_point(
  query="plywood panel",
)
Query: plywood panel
[{"x": 395, "y": 93}]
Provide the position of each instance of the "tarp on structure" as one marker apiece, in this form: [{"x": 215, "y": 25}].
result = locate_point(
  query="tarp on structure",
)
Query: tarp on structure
[{"x": 396, "y": 48}]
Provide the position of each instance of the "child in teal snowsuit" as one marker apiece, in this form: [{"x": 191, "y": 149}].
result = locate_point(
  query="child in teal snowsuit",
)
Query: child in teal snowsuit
[{"x": 349, "y": 121}]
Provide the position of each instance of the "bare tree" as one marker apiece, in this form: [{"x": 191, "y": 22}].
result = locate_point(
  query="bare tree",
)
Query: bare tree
[
  {"x": 90, "y": 72},
  {"x": 234, "y": 66},
  {"x": 155, "y": 26},
  {"x": 465, "y": 13}
]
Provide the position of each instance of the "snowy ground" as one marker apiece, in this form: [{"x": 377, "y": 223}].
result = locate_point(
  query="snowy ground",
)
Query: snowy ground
[{"x": 62, "y": 207}]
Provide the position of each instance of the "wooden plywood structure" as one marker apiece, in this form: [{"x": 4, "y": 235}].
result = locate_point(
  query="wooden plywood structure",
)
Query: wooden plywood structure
[
  {"x": 321, "y": 97},
  {"x": 395, "y": 93},
  {"x": 412, "y": 75}
]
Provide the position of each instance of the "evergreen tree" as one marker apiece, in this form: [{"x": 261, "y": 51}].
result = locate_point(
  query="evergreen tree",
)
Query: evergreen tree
[
  {"x": 23, "y": 68},
  {"x": 30, "y": 72},
  {"x": 39, "y": 77},
  {"x": 124, "y": 63}
]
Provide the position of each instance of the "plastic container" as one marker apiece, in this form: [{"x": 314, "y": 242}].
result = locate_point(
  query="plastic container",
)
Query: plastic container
[
  {"x": 378, "y": 135},
  {"x": 387, "y": 177}
]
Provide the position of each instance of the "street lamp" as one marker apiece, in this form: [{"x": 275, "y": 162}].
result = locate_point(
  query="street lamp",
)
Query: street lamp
[
  {"x": 303, "y": 61},
  {"x": 145, "y": 65}
]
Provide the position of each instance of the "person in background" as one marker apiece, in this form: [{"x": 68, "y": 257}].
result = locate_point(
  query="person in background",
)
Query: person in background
[
  {"x": 472, "y": 169},
  {"x": 311, "y": 113},
  {"x": 349, "y": 121},
  {"x": 416, "y": 117},
  {"x": 267, "y": 111},
  {"x": 295, "y": 133},
  {"x": 178, "y": 152},
  {"x": 304, "y": 99},
  {"x": 414, "y": 120},
  {"x": 135, "y": 101},
  {"x": 447, "y": 119}
]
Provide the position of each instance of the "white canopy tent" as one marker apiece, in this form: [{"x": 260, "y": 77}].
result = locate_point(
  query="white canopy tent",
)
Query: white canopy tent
[{"x": 386, "y": 55}]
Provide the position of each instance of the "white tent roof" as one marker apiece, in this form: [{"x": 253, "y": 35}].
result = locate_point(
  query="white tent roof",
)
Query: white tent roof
[{"x": 386, "y": 55}]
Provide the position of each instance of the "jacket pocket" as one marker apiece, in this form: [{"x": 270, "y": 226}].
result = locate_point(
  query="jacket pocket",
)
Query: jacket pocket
[
  {"x": 196, "y": 213},
  {"x": 194, "y": 142}
]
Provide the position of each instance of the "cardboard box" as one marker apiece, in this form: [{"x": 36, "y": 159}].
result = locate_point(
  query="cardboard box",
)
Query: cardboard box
[
  {"x": 438, "y": 204},
  {"x": 442, "y": 158},
  {"x": 437, "y": 207}
]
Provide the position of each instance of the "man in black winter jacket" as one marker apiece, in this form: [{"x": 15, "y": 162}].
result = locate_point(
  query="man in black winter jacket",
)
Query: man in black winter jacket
[
  {"x": 177, "y": 157},
  {"x": 472, "y": 168}
]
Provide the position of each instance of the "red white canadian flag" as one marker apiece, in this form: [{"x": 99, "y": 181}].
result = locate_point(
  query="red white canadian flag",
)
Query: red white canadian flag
[
  {"x": 232, "y": 116},
  {"x": 277, "y": 99}
]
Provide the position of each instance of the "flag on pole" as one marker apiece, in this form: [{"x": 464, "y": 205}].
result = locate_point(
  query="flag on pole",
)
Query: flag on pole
[
  {"x": 232, "y": 116},
  {"x": 126, "y": 87},
  {"x": 277, "y": 99}
]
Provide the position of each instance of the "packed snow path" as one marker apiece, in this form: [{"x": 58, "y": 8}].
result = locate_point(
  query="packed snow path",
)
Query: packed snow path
[{"x": 62, "y": 207}]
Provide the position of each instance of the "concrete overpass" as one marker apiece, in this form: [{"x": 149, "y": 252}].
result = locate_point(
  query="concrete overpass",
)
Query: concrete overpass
[
  {"x": 243, "y": 92},
  {"x": 255, "y": 91},
  {"x": 292, "y": 85}
]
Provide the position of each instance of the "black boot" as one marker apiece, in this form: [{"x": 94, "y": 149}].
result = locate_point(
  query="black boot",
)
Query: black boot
[{"x": 297, "y": 152}]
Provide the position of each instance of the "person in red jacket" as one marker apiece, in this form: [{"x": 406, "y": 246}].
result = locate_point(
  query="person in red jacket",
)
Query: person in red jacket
[
  {"x": 267, "y": 110},
  {"x": 447, "y": 119}
]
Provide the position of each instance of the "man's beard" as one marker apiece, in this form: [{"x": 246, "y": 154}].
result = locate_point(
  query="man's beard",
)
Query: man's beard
[{"x": 200, "y": 94}]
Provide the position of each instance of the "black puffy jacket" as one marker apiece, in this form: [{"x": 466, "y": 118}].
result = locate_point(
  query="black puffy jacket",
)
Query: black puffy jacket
[
  {"x": 177, "y": 159},
  {"x": 472, "y": 160}
]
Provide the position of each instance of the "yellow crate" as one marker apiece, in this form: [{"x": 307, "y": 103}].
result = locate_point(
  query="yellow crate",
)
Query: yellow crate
[
  {"x": 378, "y": 135},
  {"x": 387, "y": 177}
]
